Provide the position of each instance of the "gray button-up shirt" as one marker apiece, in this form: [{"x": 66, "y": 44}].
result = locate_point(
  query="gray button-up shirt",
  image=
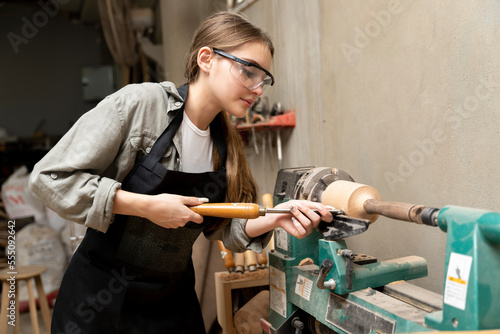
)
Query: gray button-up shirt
[{"x": 79, "y": 177}]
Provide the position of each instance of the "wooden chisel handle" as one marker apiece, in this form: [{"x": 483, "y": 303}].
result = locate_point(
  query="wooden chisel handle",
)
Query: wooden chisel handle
[
  {"x": 261, "y": 258},
  {"x": 229, "y": 210},
  {"x": 227, "y": 257},
  {"x": 250, "y": 260},
  {"x": 240, "y": 263},
  {"x": 267, "y": 202}
]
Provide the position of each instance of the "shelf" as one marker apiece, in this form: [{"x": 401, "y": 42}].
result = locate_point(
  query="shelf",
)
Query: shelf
[
  {"x": 224, "y": 285},
  {"x": 286, "y": 120}
]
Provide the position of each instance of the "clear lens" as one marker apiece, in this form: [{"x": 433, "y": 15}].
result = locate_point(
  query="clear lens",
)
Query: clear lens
[{"x": 250, "y": 77}]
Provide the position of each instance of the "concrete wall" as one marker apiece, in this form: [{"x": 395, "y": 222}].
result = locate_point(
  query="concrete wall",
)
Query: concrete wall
[
  {"x": 403, "y": 95},
  {"x": 179, "y": 20}
]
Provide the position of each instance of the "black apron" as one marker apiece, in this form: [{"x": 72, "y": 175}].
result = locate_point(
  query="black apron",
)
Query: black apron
[{"x": 138, "y": 277}]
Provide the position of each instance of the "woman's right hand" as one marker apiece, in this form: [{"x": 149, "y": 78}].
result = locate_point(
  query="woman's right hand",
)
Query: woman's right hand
[
  {"x": 171, "y": 211},
  {"x": 165, "y": 210}
]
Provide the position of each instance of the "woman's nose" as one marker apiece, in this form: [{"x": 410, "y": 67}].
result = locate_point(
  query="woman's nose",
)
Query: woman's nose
[{"x": 258, "y": 90}]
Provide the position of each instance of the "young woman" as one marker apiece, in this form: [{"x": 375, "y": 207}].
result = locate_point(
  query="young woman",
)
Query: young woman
[{"x": 130, "y": 168}]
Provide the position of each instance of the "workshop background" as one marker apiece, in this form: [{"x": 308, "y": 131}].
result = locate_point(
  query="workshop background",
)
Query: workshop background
[{"x": 402, "y": 95}]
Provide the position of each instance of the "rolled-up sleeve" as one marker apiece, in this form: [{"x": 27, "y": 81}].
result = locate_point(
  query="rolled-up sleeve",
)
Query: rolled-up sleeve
[
  {"x": 235, "y": 239},
  {"x": 69, "y": 179}
]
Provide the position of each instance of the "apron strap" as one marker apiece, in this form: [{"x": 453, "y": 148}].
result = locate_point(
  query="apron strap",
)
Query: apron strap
[
  {"x": 152, "y": 160},
  {"x": 218, "y": 138}
]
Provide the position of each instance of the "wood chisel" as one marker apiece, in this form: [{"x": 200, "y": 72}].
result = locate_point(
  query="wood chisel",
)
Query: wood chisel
[
  {"x": 241, "y": 210},
  {"x": 267, "y": 202},
  {"x": 240, "y": 263},
  {"x": 227, "y": 257},
  {"x": 250, "y": 260}
]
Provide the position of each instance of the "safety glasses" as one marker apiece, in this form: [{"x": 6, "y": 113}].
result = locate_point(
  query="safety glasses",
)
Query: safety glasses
[{"x": 252, "y": 76}]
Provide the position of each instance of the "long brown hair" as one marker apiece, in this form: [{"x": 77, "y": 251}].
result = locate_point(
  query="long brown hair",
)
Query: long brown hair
[{"x": 225, "y": 30}]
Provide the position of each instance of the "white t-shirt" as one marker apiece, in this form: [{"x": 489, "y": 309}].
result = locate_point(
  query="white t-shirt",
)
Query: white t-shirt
[{"x": 197, "y": 148}]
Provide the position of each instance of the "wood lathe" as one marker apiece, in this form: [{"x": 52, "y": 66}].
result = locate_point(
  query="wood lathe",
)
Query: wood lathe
[
  {"x": 340, "y": 291},
  {"x": 346, "y": 292}
]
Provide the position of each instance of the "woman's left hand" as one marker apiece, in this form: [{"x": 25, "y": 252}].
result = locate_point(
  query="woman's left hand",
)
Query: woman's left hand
[{"x": 302, "y": 220}]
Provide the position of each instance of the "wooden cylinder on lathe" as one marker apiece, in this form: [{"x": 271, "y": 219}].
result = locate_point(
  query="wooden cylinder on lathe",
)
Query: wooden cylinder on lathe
[{"x": 350, "y": 197}]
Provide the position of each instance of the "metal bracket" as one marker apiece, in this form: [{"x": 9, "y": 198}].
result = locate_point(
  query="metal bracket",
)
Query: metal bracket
[{"x": 348, "y": 255}]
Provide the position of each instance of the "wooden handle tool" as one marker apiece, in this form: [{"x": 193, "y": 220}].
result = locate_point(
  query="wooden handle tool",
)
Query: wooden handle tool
[
  {"x": 250, "y": 260},
  {"x": 229, "y": 210},
  {"x": 227, "y": 257},
  {"x": 267, "y": 199},
  {"x": 239, "y": 210},
  {"x": 262, "y": 259},
  {"x": 267, "y": 202},
  {"x": 240, "y": 263}
]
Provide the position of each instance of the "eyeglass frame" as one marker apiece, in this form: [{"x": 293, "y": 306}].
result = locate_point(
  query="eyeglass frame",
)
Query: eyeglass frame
[{"x": 244, "y": 62}]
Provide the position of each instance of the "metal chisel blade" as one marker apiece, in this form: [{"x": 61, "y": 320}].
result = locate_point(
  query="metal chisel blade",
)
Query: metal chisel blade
[{"x": 332, "y": 211}]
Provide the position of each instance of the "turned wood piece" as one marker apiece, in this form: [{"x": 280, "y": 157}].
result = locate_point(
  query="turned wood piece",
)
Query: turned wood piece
[{"x": 350, "y": 197}]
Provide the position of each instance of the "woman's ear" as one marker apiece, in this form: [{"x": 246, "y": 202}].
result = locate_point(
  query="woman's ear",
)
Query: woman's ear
[{"x": 205, "y": 59}]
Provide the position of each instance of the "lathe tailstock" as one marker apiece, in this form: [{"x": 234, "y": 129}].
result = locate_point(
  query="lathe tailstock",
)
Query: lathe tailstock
[{"x": 319, "y": 285}]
